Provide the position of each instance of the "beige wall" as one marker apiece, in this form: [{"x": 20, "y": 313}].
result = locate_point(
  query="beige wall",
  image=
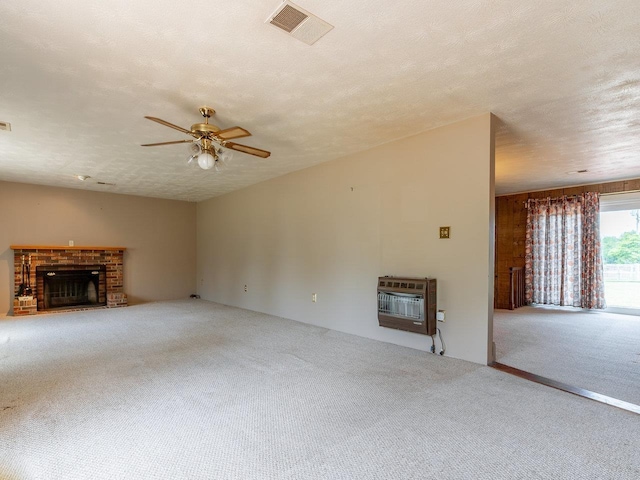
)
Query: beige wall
[
  {"x": 159, "y": 235},
  {"x": 334, "y": 228}
]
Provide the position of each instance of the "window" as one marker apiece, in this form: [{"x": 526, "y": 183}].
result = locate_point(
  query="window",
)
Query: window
[{"x": 620, "y": 234}]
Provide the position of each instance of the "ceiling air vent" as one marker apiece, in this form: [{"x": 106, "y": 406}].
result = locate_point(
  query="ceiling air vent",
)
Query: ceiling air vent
[
  {"x": 299, "y": 23},
  {"x": 288, "y": 18},
  {"x": 5, "y": 126}
]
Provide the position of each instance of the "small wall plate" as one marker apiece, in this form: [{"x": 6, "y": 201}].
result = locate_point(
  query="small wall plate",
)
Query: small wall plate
[{"x": 444, "y": 232}]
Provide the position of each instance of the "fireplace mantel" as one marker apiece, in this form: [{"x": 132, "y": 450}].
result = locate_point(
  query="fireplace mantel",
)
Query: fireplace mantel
[
  {"x": 58, "y": 256},
  {"x": 54, "y": 247}
]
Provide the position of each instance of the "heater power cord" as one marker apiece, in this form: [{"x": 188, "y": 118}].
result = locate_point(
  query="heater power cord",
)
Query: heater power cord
[{"x": 444, "y": 346}]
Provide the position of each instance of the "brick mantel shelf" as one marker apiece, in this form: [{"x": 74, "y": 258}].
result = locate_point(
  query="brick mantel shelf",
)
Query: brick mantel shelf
[
  {"x": 50, "y": 247},
  {"x": 111, "y": 257}
]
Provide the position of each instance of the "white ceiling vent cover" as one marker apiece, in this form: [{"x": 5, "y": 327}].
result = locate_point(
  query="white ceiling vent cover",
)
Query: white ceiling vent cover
[{"x": 299, "y": 23}]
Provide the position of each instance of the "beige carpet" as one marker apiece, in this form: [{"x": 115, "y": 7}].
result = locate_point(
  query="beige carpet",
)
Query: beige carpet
[
  {"x": 594, "y": 350},
  {"x": 196, "y": 390}
]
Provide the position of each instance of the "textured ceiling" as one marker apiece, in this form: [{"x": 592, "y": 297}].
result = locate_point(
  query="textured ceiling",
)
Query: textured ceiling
[{"x": 78, "y": 77}]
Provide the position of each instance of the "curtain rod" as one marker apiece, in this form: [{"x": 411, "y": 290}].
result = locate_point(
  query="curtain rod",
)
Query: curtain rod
[
  {"x": 549, "y": 196},
  {"x": 576, "y": 195}
]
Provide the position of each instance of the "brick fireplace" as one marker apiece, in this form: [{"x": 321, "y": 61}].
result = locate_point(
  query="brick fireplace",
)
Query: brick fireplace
[{"x": 101, "y": 286}]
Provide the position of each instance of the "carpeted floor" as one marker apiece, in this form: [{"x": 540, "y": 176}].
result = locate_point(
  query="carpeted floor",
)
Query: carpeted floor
[
  {"x": 597, "y": 351},
  {"x": 196, "y": 390}
]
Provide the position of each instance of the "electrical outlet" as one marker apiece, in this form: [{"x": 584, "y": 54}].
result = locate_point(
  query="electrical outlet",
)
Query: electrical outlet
[
  {"x": 71, "y": 243},
  {"x": 440, "y": 315},
  {"x": 445, "y": 232},
  {"x": 314, "y": 297},
  {"x": 246, "y": 289}
]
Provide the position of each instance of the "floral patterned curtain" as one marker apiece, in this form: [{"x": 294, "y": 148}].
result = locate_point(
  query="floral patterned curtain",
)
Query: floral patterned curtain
[
  {"x": 592, "y": 286},
  {"x": 563, "y": 262}
]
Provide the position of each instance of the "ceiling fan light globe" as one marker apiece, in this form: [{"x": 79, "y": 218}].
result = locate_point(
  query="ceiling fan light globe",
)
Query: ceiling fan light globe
[
  {"x": 194, "y": 148},
  {"x": 206, "y": 161},
  {"x": 225, "y": 155},
  {"x": 219, "y": 165}
]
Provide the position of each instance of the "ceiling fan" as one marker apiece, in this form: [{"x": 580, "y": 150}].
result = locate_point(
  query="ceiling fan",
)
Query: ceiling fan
[{"x": 210, "y": 143}]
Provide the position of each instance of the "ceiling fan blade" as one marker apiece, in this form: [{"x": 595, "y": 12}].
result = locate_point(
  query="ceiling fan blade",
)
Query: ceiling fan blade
[
  {"x": 166, "y": 143},
  {"x": 170, "y": 125},
  {"x": 245, "y": 149},
  {"x": 233, "y": 132}
]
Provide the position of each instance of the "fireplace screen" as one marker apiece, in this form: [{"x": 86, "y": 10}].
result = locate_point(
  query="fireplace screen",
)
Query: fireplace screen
[{"x": 65, "y": 286}]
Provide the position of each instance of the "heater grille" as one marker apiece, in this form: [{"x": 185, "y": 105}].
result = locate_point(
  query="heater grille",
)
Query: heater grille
[{"x": 404, "y": 307}]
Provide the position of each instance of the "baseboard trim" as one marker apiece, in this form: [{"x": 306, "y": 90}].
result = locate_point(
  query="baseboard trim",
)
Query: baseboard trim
[{"x": 565, "y": 387}]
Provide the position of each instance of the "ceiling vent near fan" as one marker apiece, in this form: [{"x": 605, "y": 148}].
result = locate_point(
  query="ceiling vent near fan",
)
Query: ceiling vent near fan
[{"x": 299, "y": 23}]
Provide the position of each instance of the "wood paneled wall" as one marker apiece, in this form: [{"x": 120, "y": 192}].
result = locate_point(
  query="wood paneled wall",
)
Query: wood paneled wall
[{"x": 511, "y": 222}]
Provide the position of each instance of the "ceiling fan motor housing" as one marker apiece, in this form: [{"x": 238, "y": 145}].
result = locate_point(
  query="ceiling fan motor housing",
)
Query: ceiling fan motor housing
[{"x": 203, "y": 129}]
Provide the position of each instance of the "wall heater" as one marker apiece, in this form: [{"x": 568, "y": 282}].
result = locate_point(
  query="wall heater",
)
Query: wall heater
[{"x": 407, "y": 303}]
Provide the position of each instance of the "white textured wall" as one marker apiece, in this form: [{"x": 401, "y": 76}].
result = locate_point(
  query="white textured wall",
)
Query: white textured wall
[
  {"x": 334, "y": 228},
  {"x": 160, "y": 235}
]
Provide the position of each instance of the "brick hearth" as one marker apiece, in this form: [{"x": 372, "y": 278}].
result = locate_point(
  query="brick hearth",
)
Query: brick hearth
[{"x": 111, "y": 257}]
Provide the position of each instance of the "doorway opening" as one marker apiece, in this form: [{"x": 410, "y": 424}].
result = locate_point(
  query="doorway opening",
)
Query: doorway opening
[{"x": 592, "y": 353}]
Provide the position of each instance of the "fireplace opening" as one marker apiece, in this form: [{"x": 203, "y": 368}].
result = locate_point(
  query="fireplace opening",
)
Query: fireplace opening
[{"x": 67, "y": 286}]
